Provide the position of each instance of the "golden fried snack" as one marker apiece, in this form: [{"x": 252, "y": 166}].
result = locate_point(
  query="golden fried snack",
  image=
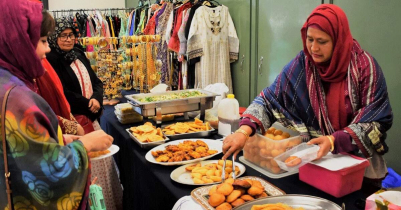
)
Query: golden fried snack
[
  {"x": 242, "y": 183},
  {"x": 216, "y": 199},
  {"x": 254, "y": 191},
  {"x": 257, "y": 184},
  {"x": 213, "y": 190},
  {"x": 225, "y": 189},
  {"x": 247, "y": 198},
  {"x": 237, "y": 202},
  {"x": 147, "y": 133},
  {"x": 233, "y": 196},
  {"x": 182, "y": 151},
  {"x": 277, "y": 206},
  {"x": 191, "y": 167},
  {"x": 98, "y": 153},
  {"x": 224, "y": 206},
  {"x": 264, "y": 194},
  {"x": 292, "y": 161},
  {"x": 229, "y": 181},
  {"x": 186, "y": 127}
]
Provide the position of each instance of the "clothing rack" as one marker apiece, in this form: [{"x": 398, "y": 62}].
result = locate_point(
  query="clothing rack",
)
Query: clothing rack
[{"x": 86, "y": 10}]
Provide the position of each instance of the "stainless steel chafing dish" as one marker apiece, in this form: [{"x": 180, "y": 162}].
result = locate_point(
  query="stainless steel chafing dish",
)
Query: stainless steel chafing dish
[
  {"x": 295, "y": 201},
  {"x": 157, "y": 108}
]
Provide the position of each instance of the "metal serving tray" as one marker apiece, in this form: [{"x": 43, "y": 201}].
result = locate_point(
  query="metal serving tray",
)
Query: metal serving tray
[
  {"x": 295, "y": 201},
  {"x": 200, "y": 134},
  {"x": 157, "y": 108},
  {"x": 147, "y": 145}
]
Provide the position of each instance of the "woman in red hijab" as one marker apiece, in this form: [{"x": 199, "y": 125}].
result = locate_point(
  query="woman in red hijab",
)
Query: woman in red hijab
[
  {"x": 49, "y": 85},
  {"x": 333, "y": 93}
]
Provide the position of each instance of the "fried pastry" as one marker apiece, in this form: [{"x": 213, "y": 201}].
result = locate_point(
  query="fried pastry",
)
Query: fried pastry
[
  {"x": 225, "y": 189},
  {"x": 224, "y": 206},
  {"x": 233, "y": 196},
  {"x": 216, "y": 199},
  {"x": 237, "y": 202}
]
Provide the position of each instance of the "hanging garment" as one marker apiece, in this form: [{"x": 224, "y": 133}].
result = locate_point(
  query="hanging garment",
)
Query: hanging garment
[
  {"x": 174, "y": 42},
  {"x": 213, "y": 38},
  {"x": 161, "y": 27}
]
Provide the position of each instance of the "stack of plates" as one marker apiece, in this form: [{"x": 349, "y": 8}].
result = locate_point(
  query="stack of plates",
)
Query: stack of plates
[{"x": 126, "y": 114}]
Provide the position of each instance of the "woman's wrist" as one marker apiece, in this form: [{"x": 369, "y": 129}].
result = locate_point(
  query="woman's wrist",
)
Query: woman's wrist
[{"x": 331, "y": 139}]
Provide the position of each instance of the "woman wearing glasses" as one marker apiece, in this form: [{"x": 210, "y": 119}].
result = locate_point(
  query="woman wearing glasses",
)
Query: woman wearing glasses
[
  {"x": 84, "y": 92},
  {"x": 82, "y": 88}
]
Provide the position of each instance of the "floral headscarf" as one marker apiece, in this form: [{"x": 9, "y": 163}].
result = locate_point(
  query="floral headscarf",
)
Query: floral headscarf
[{"x": 61, "y": 25}]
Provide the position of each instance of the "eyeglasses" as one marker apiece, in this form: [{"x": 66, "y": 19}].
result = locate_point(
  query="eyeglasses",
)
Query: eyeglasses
[{"x": 64, "y": 37}]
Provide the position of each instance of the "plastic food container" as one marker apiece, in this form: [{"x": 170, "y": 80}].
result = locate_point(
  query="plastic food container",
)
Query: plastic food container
[
  {"x": 262, "y": 150},
  {"x": 304, "y": 152},
  {"x": 341, "y": 182}
]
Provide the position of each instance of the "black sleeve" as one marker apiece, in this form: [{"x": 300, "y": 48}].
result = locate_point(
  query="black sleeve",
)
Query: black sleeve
[{"x": 78, "y": 103}]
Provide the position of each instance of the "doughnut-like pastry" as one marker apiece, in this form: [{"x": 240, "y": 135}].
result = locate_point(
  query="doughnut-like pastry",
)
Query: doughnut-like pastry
[
  {"x": 256, "y": 183},
  {"x": 213, "y": 190},
  {"x": 264, "y": 194},
  {"x": 229, "y": 181},
  {"x": 247, "y": 197},
  {"x": 233, "y": 196},
  {"x": 292, "y": 161},
  {"x": 242, "y": 183},
  {"x": 224, "y": 206},
  {"x": 237, "y": 202},
  {"x": 216, "y": 199},
  {"x": 225, "y": 189},
  {"x": 254, "y": 191}
]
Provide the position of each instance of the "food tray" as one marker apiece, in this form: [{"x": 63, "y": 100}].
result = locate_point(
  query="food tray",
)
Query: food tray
[
  {"x": 200, "y": 134},
  {"x": 182, "y": 176},
  {"x": 296, "y": 201},
  {"x": 147, "y": 145},
  {"x": 201, "y": 194},
  {"x": 148, "y": 109},
  {"x": 212, "y": 144}
]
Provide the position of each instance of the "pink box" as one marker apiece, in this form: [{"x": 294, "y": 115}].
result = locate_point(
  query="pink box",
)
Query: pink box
[{"x": 336, "y": 183}]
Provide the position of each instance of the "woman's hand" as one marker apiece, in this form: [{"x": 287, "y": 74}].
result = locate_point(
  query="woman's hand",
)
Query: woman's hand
[
  {"x": 324, "y": 143},
  {"x": 94, "y": 105},
  {"x": 234, "y": 143},
  {"x": 80, "y": 130},
  {"x": 96, "y": 141},
  {"x": 68, "y": 138}
]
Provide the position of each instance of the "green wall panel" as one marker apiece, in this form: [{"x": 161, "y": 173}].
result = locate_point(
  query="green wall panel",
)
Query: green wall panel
[
  {"x": 132, "y": 3},
  {"x": 279, "y": 36},
  {"x": 377, "y": 27},
  {"x": 240, "y": 11}
]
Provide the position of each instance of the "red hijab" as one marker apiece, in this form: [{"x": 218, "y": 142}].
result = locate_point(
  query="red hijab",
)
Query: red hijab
[
  {"x": 332, "y": 20},
  {"x": 51, "y": 89},
  {"x": 19, "y": 35}
]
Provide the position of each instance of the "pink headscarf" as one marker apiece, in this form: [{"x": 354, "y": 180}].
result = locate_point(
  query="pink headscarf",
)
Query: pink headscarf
[{"x": 19, "y": 35}]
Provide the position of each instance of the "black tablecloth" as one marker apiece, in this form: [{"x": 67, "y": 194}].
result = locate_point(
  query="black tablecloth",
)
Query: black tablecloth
[{"x": 148, "y": 186}]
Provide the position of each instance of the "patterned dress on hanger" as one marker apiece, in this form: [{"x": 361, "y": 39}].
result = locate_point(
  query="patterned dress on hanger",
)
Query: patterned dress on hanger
[
  {"x": 161, "y": 25},
  {"x": 213, "y": 38}
]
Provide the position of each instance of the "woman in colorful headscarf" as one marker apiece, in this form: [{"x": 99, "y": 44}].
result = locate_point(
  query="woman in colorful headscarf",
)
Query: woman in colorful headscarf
[
  {"x": 45, "y": 174},
  {"x": 82, "y": 88},
  {"x": 333, "y": 92}
]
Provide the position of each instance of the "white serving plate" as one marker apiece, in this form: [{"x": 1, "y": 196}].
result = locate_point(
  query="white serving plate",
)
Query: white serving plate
[
  {"x": 212, "y": 144},
  {"x": 183, "y": 176},
  {"x": 113, "y": 150}
]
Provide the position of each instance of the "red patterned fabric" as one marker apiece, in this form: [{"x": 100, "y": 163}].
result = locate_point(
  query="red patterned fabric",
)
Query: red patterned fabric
[
  {"x": 332, "y": 20},
  {"x": 174, "y": 43},
  {"x": 150, "y": 28}
]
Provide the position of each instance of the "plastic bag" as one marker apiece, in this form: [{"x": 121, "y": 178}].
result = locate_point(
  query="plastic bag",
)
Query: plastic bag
[{"x": 383, "y": 200}]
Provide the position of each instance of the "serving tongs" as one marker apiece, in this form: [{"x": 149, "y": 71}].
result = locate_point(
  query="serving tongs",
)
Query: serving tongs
[{"x": 223, "y": 174}]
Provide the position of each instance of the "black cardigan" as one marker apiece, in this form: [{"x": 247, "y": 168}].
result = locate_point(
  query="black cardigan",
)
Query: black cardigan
[{"x": 72, "y": 90}]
